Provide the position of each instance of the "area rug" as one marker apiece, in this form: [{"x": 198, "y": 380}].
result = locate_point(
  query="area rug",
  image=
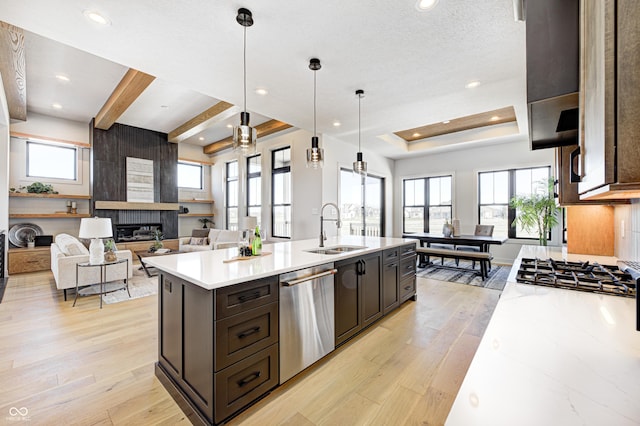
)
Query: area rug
[
  {"x": 448, "y": 272},
  {"x": 139, "y": 286}
]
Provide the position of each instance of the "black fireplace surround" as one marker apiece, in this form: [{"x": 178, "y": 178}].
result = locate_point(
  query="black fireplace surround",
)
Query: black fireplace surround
[{"x": 137, "y": 232}]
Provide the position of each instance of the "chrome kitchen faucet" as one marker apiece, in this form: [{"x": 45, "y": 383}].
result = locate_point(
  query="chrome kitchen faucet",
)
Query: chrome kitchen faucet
[{"x": 322, "y": 219}]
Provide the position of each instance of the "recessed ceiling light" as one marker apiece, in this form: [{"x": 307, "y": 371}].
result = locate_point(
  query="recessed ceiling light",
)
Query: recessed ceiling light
[
  {"x": 415, "y": 135},
  {"x": 63, "y": 77},
  {"x": 261, "y": 92},
  {"x": 446, "y": 122},
  {"x": 472, "y": 84},
  {"x": 337, "y": 123},
  {"x": 200, "y": 138},
  {"x": 495, "y": 118},
  {"x": 424, "y": 5},
  {"x": 229, "y": 126},
  {"x": 56, "y": 106},
  {"x": 96, "y": 17},
  {"x": 164, "y": 106}
]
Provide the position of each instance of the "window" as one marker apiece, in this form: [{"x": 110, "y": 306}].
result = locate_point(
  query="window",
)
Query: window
[
  {"x": 51, "y": 161},
  {"x": 232, "y": 195},
  {"x": 254, "y": 193},
  {"x": 427, "y": 204},
  {"x": 190, "y": 176},
  {"x": 498, "y": 187},
  {"x": 281, "y": 193},
  {"x": 361, "y": 204}
]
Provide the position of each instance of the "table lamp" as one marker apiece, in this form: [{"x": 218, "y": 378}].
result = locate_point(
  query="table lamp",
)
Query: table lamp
[{"x": 95, "y": 229}]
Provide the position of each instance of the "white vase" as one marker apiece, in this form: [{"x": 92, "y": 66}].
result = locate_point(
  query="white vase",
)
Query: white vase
[
  {"x": 31, "y": 244},
  {"x": 456, "y": 227}
]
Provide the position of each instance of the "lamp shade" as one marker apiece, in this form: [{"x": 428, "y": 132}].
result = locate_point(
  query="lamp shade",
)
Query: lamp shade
[
  {"x": 249, "y": 222},
  {"x": 95, "y": 227}
]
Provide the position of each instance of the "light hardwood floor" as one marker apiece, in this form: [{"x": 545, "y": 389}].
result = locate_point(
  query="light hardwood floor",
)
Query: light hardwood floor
[{"x": 89, "y": 366}]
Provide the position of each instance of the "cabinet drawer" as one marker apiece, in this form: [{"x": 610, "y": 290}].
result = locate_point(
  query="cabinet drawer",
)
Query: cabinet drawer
[
  {"x": 407, "y": 267},
  {"x": 407, "y": 288},
  {"x": 29, "y": 260},
  {"x": 408, "y": 250},
  {"x": 241, "y": 297},
  {"x": 241, "y": 335},
  {"x": 244, "y": 382},
  {"x": 390, "y": 255}
]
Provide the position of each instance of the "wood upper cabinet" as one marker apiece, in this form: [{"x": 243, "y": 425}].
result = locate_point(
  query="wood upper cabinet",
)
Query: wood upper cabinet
[{"x": 610, "y": 86}]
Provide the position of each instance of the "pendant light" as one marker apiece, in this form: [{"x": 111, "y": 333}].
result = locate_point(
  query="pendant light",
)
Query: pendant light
[
  {"x": 315, "y": 155},
  {"x": 244, "y": 136},
  {"x": 359, "y": 166}
]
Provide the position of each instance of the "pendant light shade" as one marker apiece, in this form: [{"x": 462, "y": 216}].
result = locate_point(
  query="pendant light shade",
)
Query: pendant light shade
[
  {"x": 315, "y": 154},
  {"x": 359, "y": 166},
  {"x": 244, "y": 136}
]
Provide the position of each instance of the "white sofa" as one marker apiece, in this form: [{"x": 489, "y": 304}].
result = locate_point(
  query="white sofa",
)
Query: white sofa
[
  {"x": 67, "y": 251},
  {"x": 215, "y": 239}
]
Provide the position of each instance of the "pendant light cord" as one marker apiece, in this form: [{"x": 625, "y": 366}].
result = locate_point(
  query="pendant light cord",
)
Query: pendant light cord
[
  {"x": 359, "y": 120},
  {"x": 244, "y": 59},
  {"x": 314, "y": 103}
]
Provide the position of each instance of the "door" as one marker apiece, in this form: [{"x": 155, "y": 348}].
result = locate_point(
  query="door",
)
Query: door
[
  {"x": 347, "y": 306},
  {"x": 170, "y": 344},
  {"x": 371, "y": 289}
]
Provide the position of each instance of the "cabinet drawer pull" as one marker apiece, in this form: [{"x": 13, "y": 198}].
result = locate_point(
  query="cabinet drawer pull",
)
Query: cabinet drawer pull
[
  {"x": 250, "y": 296},
  {"x": 408, "y": 287},
  {"x": 250, "y": 378},
  {"x": 249, "y": 332}
]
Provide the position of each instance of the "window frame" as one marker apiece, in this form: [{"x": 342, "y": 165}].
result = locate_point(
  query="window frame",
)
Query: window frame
[
  {"x": 228, "y": 180},
  {"x": 200, "y": 166},
  {"x": 76, "y": 162},
  {"x": 427, "y": 200},
  {"x": 250, "y": 176},
  {"x": 274, "y": 172},
  {"x": 363, "y": 193},
  {"x": 511, "y": 212}
]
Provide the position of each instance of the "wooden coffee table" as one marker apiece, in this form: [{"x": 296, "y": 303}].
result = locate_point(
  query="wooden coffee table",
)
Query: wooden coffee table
[{"x": 144, "y": 253}]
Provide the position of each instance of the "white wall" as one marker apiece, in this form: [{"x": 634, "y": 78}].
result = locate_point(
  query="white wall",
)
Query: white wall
[
  {"x": 50, "y": 128},
  {"x": 464, "y": 166},
  {"x": 4, "y": 169},
  {"x": 186, "y": 224},
  {"x": 306, "y": 184}
]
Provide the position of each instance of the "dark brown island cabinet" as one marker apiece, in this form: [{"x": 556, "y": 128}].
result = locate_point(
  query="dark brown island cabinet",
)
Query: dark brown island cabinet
[{"x": 218, "y": 349}]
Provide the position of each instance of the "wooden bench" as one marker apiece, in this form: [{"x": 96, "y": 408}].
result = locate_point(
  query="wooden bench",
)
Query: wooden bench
[{"x": 479, "y": 256}]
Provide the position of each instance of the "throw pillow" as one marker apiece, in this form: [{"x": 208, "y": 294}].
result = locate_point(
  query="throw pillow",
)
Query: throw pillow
[
  {"x": 199, "y": 241},
  {"x": 70, "y": 246}
]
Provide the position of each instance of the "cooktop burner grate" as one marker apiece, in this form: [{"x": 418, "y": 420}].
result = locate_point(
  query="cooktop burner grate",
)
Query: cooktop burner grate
[{"x": 583, "y": 276}]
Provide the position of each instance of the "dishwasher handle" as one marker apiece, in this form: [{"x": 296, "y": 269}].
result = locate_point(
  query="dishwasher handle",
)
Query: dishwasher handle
[{"x": 309, "y": 278}]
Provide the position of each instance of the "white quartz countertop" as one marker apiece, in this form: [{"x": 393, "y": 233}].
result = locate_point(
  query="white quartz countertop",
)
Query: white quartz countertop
[
  {"x": 554, "y": 357},
  {"x": 208, "y": 270}
]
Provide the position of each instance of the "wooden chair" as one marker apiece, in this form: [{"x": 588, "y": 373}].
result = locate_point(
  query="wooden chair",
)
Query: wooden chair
[{"x": 481, "y": 230}]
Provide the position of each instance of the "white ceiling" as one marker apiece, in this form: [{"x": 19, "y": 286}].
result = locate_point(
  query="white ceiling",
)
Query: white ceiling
[{"x": 412, "y": 65}]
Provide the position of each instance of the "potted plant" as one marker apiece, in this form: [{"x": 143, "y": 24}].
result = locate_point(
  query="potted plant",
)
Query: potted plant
[
  {"x": 204, "y": 221},
  {"x": 157, "y": 243},
  {"x": 537, "y": 212},
  {"x": 31, "y": 241},
  {"x": 109, "y": 250}
]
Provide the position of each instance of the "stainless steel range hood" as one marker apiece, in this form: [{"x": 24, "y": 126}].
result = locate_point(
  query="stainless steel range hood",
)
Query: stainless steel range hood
[{"x": 554, "y": 122}]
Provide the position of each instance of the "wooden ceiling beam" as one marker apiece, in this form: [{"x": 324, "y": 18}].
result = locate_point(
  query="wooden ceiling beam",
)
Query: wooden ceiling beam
[
  {"x": 130, "y": 87},
  {"x": 13, "y": 70},
  {"x": 217, "y": 113},
  {"x": 262, "y": 130}
]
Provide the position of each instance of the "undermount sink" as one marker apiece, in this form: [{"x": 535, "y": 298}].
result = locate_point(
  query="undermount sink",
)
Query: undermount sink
[{"x": 335, "y": 249}]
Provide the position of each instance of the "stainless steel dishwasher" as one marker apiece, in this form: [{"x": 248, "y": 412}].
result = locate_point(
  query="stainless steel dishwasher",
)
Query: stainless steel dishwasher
[{"x": 307, "y": 331}]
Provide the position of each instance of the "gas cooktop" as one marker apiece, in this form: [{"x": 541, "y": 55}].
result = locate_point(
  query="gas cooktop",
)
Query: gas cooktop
[{"x": 582, "y": 276}]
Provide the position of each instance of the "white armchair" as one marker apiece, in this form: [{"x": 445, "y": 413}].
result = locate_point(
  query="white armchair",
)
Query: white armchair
[
  {"x": 67, "y": 251},
  {"x": 215, "y": 239}
]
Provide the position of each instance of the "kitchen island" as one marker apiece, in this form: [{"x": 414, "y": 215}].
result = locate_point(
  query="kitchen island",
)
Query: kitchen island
[
  {"x": 220, "y": 320},
  {"x": 554, "y": 357}
]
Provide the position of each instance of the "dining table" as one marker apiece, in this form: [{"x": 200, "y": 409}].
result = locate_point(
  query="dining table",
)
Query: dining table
[{"x": 483, "y": 242}]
